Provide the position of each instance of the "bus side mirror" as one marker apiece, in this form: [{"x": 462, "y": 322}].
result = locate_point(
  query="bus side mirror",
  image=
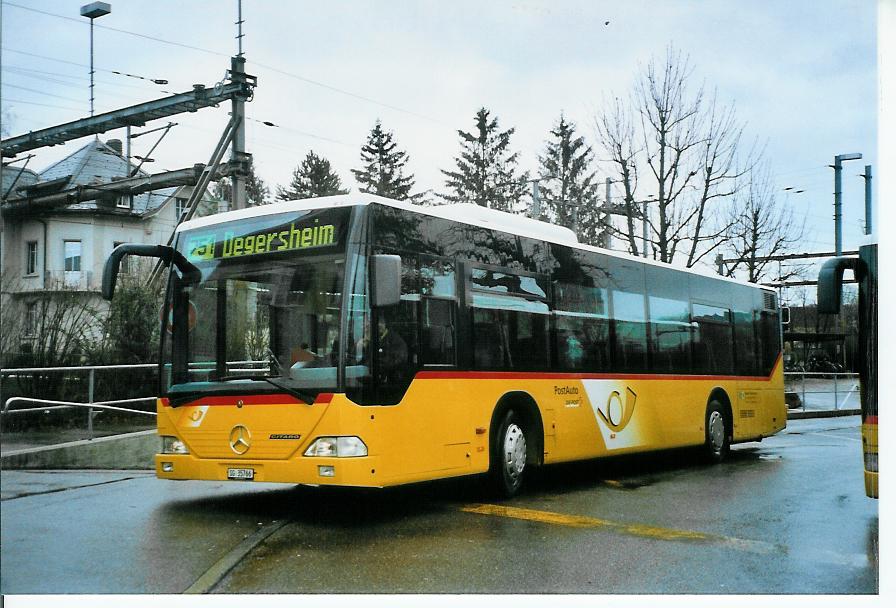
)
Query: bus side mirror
[
  {"x": 163, "y": 252},
  {"x": 785, "y": 316},
  {"x": 830, "y": 282},
  {"x": 385, "y": 280}
]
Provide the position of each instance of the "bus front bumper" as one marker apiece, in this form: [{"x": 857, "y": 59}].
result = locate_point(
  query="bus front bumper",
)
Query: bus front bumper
[{"x": 356, "y": 472}]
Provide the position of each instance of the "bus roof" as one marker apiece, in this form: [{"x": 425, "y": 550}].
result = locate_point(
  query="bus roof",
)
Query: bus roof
[{"x": 467, "y": 213}]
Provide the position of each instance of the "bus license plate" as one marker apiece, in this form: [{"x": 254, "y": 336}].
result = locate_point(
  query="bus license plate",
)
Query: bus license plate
[{"x": 240, "y": 473}]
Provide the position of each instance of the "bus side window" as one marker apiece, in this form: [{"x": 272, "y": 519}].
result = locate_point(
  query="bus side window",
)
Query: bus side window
[
  {"x": 713, "y": 341},
  {"x": 438, "y": 290},
  {"x": 583, "y": 328},
  {"x": 438, "y": 332},
  {"x": 670, "y": 329},
  {"x": 630, "y": 349},
  {"x": 745, "y": 339},
  {"x": 510, "y": 320}
]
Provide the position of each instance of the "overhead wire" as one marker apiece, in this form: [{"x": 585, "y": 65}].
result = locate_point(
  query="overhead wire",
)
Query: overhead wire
[{"x": 261, "y": 65}]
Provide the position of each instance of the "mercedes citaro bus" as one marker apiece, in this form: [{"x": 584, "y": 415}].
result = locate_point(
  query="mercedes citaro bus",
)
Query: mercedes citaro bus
[{"x": 359, "y": 341}]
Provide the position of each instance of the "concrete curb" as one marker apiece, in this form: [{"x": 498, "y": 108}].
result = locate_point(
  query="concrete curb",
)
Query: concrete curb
[
  {"x": 129, "y": 451},
  {"x": 822, "y": 414}
]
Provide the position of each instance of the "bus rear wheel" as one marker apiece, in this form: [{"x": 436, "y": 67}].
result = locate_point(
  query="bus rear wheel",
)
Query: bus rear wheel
[
  {"x": 718, "y": 433},
  {"x": 508, "y": 461}
]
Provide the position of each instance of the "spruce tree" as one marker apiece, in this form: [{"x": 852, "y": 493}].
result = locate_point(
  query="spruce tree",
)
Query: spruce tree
[
  {"x": 383, "y": 166},
  {"x": 486, "y": 171},
  {"x": 313, "y": 177},
  {"x": 569, "y": 194}
]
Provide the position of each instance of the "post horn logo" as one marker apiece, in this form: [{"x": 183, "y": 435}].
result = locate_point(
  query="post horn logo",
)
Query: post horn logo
[
  {"x": 616, "y": 414},
  {"x": 239, "y": 439}
]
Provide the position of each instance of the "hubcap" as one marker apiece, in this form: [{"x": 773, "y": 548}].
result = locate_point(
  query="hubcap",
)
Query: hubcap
[
  {"x": 514, "y": 453},
  {"x": 716, "y": 431}
]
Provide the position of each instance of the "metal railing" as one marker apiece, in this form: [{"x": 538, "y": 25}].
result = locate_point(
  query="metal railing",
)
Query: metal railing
[
  {"x": 812, "y": 387},
  {"x": 94, "y": 407}
]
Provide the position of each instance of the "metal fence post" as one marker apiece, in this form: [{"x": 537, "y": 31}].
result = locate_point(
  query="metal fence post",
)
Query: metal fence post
[
  {"x": 90, "y": 400},
  {"x": 803, "y": 376},
  {"x": 836, "y": 397}
]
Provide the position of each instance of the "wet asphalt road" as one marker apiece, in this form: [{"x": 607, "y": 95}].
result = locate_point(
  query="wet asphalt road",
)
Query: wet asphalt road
[{"x": 787, "y": 515}]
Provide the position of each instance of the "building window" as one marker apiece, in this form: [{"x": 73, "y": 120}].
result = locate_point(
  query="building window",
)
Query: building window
[
  {"x": 73, "y": 256},
  {"x": 31, "y": 258},
  {"x": 125, "y": 267},
  {"x": 180, "y": 205},
  {"x": 31, "y": 320},
  {"x": 72, "y": 266},
  {"x": 124, "y": 201}
]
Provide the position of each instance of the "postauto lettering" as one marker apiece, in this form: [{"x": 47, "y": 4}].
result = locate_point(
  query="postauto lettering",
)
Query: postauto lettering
[{"x": 207, "y": 246}]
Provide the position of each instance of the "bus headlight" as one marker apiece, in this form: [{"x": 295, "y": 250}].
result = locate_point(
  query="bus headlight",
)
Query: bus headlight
[
  {"x": 339, "y": 447},
  {"x": 173, "y": 445}
]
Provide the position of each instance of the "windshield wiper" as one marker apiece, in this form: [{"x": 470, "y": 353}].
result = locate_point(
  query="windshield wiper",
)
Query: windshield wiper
[{"x": 308, "y": 398}]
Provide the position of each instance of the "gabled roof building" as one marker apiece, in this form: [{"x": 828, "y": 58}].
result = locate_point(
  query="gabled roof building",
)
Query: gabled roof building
[{"x": 63, "y": 246}]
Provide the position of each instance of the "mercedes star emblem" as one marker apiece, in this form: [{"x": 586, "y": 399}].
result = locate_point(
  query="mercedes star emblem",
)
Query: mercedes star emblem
[{"x": 239, "y": 439}]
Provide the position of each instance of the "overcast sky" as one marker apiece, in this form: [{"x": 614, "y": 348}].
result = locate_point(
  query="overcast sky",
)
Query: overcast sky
[{"x": 802, "y": 75}]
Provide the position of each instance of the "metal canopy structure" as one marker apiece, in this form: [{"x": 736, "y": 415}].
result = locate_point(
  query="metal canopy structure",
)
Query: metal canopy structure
[
  {"x": 133, "y": 116},
  {"x": 190, "y": 176}
]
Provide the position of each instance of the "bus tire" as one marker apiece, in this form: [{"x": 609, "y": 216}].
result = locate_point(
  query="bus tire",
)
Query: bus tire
[
  {"x": 718, "y": 433},
  {"x": 508, "y": 456}
]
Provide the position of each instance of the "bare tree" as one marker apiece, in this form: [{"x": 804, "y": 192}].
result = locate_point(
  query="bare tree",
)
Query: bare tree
[
  {"x": 684, "y": 149},
  {"x": 45, "y": 329},
  {"x": 759, "y": 228}
]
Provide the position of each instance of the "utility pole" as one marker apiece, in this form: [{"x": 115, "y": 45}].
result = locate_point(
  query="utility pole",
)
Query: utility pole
[
  {"x": 536, "y": 201},
  {"x": 239, "y": 28},
  {"x": 644, "y": 227},
  {"x": 606, "y": 238},
  {"x": 93, "y": 11},
  {"x": 838, "y": 198},
  {"x": 238, "y": 146},
  {"x": 868, "y": 211}
]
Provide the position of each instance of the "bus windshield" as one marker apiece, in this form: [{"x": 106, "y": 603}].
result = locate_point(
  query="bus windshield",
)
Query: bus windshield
[{"x": 262, "y": 322}]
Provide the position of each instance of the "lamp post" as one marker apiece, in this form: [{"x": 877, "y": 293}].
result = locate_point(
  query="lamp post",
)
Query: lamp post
[
  {"x": 838, "y": 196},
  {"x": 92, "y": 11}
]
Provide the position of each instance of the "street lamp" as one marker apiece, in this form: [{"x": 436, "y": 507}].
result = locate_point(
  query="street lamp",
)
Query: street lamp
[
  {"x": 92, "y": 11},
  {"x": 838, "y": 196}
]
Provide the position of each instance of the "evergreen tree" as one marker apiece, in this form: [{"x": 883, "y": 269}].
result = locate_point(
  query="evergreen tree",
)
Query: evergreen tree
[
  {"x": 383, "y": 163},
  {"x": 313, "y": 177},
  {"x": 486, "y": 171},
  {"x": 257, "y": 192},
  {"x": 569, "y": 195}
]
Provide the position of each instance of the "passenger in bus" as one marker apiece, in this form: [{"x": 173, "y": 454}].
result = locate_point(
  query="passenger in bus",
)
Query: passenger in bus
[
  {"x": 575, "y": 351},
  {"x": 392, "y": 350}
]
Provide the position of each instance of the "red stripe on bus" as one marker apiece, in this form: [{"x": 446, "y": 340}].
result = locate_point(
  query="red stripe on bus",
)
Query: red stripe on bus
[
  {"x": 272, "y": 399},
  {"x": 870, "y": 420},
  {"x": 572, "y": 376}
]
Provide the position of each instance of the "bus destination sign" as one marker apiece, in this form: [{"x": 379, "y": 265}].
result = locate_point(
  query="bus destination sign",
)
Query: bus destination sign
[{"x": 205, "y": 246}]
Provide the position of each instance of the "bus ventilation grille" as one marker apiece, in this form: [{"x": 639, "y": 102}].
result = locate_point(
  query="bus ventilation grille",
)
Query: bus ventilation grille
[{"x": 768, "y": 300}]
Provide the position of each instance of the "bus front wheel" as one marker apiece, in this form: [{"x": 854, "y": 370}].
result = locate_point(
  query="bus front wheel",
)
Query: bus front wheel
[
  {"x": 508, "y": 461},
  {"x": 718, "y": 435}
]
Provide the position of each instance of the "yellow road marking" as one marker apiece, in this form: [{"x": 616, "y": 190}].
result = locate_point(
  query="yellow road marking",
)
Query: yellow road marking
[{"x": 646, "y": 531}]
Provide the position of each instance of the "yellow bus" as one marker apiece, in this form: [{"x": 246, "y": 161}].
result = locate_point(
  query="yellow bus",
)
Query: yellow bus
[{"x": 360, "y": 341}]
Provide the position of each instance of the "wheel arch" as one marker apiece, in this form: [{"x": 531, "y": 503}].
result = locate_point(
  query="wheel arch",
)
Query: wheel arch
[
  {"x": 526, "y": 408},
  {"x": 719, "y": 394}
]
